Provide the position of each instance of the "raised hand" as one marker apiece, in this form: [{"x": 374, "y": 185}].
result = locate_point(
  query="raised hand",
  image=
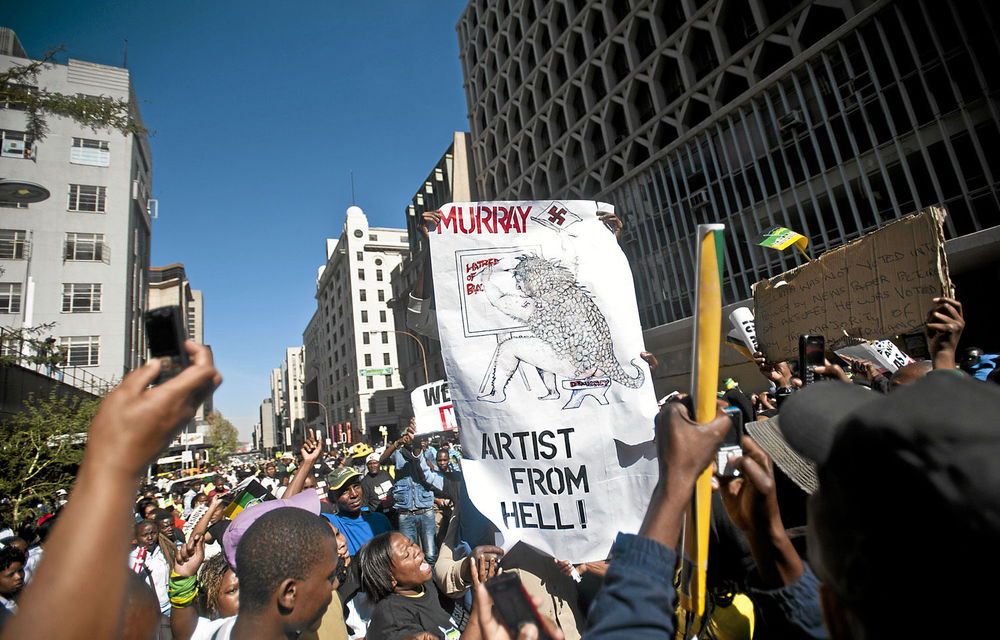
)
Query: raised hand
[
  {"x": 944, "y": 327},
  {"x": 189, "y": 556},
  {"x": 429, "y": 220},
  {"x": 611, "y": 221}
]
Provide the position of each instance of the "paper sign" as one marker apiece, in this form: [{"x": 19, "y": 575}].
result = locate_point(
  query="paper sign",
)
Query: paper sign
[
  {"x": 432, "y": 408},
  {"x": 540, "y": 337},
  {"x": 882, "y": 353},
  {"x": 878, "y": 286}
]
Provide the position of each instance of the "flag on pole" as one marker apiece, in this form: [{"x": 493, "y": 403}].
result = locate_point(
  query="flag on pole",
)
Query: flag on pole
[
  {"x": 705, "y": 374},
  {"x": 781, "y": 238}
]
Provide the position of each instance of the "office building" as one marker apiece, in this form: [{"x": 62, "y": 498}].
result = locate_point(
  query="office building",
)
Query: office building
[
  {"x": 268, "y": 434},
  {"x": 351, "y": 364},
  {"x": 449, "y": 181},
  {"x": 830, "y": 118},
  {"x": 78, "y": 260}
]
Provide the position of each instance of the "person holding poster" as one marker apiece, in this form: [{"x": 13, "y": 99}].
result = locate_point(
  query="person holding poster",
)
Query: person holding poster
[{"x": 540, "y": 339}]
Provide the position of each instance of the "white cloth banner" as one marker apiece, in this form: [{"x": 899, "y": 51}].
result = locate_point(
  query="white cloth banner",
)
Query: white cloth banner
[
  {"x": 541, "y": 340},
  {"x": 432, "y": 409}
]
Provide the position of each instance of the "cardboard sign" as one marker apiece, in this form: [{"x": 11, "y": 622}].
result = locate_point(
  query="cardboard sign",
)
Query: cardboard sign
[
  {"x": 540, "y": 338},
  {"x": 882, "y": 353},
  {"x": 432, "y": 409},
  {"x": 878, "y": 286}
]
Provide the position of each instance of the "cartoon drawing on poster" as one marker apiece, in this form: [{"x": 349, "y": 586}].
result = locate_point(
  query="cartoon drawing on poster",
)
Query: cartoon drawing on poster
[{"x": 541, "y": 341}]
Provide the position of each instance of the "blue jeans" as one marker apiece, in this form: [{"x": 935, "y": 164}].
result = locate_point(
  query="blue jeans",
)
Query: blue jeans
[{"x": 419, "y": 528}]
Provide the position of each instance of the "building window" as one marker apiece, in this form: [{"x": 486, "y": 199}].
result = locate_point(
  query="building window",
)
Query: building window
[
  {"x": 10, "y": 297},
  {"x": 365, "y": 338},
  {"x": 358, "y": 233},
  {"x": 85, "y": 197},
  {"x": 381, "y": 315},
  {"x": 385, "y": 358},
  {"x": 370, "y": 382},
  {"x": 361, "y": 256},
  {"x": 364, "y": 316},
  {"x": 381, "y": 295},
  {"x": 361, "y": 274},
  {"x": 390, "y": 404},
  {"x": 13, "y": 145},
  {"x": 81, "y": 351},
  {"x": 90, "y": 152},
  {"x": 12, "y": 242},
  {"x": 378, "y": 275},
  {"x": 372, "y": 237},
  {"x": 378, "y": 262},
  {"x": 81, "y": 298},
  {"x": 368, "y": 359},
  {"x": 85, "y": 246},
  {"x": 371, "y": 405},
  {"x": 385, "y": 337},
  {"x": 362, "y": 295},
  {"x": 388, "y": 381}
]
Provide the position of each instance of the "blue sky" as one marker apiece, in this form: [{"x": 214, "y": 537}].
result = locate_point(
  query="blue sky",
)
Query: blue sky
[{"x": 260, "y": 111}]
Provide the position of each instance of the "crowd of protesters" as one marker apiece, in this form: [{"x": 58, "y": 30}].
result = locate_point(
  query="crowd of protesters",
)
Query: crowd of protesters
[{"x": 864, "y": 505}]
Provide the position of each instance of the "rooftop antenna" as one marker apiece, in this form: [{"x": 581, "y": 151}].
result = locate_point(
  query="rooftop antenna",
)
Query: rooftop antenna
[
  {"x": 125, "y": 54},
  {"x": 353, "y": 203}
]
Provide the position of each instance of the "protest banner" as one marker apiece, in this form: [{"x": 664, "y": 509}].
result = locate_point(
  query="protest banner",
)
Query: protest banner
[
  {"x": 878, "y": 286},
  {"x": 432, "y": 408},
  {"x": 541, "y": 339}
]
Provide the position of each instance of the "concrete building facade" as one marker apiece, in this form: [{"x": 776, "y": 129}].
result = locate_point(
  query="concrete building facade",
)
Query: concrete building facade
[
  {"x": 268, "y": 439},
  {"x": 351, "y": 361},
  {"x": 451, "y": 180},
  {"x": 829, "y": 117},
  {"x": 79, "y": 259}
]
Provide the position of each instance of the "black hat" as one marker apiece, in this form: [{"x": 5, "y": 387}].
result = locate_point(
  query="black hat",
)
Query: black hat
[{"x": 907, "y": 516}]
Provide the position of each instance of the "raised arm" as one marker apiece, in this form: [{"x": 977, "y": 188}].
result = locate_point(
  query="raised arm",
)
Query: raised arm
[
  {"x": 310, "y": 452},
  {"x": 73, "y": 593}
]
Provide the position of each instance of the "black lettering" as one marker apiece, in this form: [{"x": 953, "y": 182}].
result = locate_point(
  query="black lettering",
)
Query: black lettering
[
  {"x": 510, "y": 514},
  {"x": 521, "y": 435},
  {"x": 576, "y": 481},
  {"x": 505, "y": 445},
  {"x": 514, "y": 479},
  {"x": 487, "y": 448},
  {"x": 544, "y": 440},
  {"x": 565, "y": 434},
  {"x": 536, "y": 478},
  {"x": 524, "y": 514}
]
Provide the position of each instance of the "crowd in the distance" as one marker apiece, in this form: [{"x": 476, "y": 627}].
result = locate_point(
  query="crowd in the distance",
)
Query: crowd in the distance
[{"x": 864, "y": 505}]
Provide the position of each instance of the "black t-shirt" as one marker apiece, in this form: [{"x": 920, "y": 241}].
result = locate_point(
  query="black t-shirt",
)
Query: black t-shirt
[
  {"x": 397, "y": 617},
  {"x": 375, "y": 488}
]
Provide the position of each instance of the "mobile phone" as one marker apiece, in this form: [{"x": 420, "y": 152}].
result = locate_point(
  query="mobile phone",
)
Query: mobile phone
[
  {"x": 812, "y": 350},
  {"x": 513, "y": 604},
  {"x": 731, "y": 444},
  {"x": 165, "y": 334}
]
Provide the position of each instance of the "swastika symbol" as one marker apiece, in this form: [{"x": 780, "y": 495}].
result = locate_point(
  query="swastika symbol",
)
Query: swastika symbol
[{"x": 557, "y": 216}]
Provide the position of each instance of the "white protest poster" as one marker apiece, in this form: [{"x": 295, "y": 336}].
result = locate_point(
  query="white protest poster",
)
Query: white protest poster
[
  {"x": 432, "y": 408},
  {"x": 541, "y": 340}
]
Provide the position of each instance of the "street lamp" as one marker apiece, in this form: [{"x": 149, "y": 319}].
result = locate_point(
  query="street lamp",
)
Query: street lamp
[
  {"x": 423, "y": 354},
  {"x": 326, "y": 417}
]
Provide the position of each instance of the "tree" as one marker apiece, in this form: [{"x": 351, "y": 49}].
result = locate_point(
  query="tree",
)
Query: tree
[
  {"x": 40, "y": 450},
  {"x": 222, "y": 436},
  {"x": 18, "y": 88}
]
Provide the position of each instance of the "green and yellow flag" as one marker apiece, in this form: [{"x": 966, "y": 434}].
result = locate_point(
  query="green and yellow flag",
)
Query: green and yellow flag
[{"x": 781, "y": 238}]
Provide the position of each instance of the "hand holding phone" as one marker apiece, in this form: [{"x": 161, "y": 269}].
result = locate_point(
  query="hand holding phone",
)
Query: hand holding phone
[
  {"x": 513, "y": 605},
  {"x": 730, "y": 444},
  {"x": 812, "y": 350}
]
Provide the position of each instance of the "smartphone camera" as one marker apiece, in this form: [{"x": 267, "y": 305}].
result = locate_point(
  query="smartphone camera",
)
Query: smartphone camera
[
  {"x": 731, "y": 444},
  {"x": 165, "y": 334},
  {"x": 513, "y": 605}
]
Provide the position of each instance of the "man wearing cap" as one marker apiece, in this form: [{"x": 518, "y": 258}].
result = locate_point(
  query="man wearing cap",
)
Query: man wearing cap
[
  {"x": 376, "y": 486},
  {"x": 344, "y": 490}
]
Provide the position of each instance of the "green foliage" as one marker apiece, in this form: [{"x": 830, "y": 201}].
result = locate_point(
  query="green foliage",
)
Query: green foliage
[
  {"x": 222, "y": 436},
  {"x": 40, "y": 450},
  {"x": 30, "y": 345},
  {"x": 17, "y": 87}
]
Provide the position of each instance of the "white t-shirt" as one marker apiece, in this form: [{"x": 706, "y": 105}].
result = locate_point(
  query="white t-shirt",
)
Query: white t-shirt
[
  {"x": 218, "y": 629},
  {"x": 159, "y": 572}
]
